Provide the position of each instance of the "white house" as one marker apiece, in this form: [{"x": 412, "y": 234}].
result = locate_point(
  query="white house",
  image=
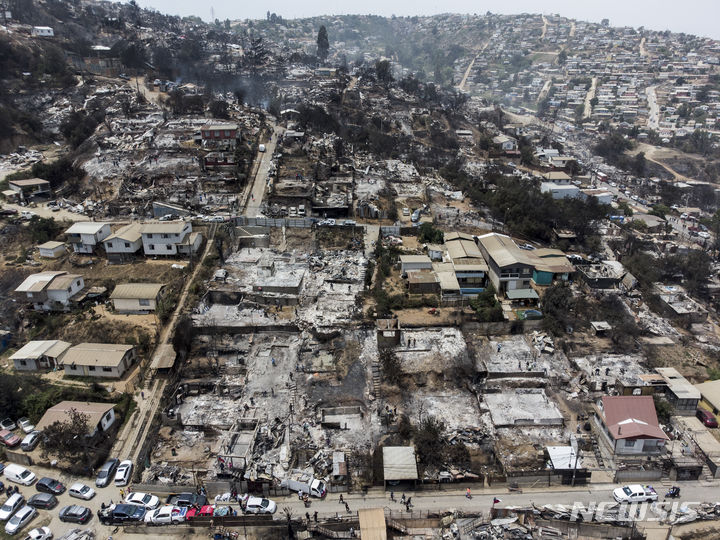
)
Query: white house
[
  {"x": 559, "y": 191},
  {"x": 629, "y": 425},
  {"x": 136, "y": 297},
  {"x": 169, "y": 238},
  {"x": 42, "y": 31},
  {"x": 51, "y": 290},
  {"x": 85, "y": 236},
  {"x": 98, "y": 360},
  {"x": 123, "y": 244},
  {"x": 505, "y": 143},
  {"x": 415, "y": 262},
  {"x": 51, "y": 249},
  {"x": 100, "y": 415},
  {"x": 36, "y": 355}
]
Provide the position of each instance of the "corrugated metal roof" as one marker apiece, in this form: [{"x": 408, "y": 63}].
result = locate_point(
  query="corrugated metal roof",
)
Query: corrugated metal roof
[
  {"x": 33, "y": 350},
  {"x": 710, "y": 391},
  {"x": 164, "y": 357},
  {"x": 62, "y": 283},
  {"x": 399, "y": 463},
  {"x": 51, "y": 245},
  {"x": 372, "y": 524},
  {"x": 504, "y": 251},
  {"x": 415, "y": 259},
  {"x": 129, "y": 233},
  {"x": 519, "y": 294},
  {"x": 86, "y": 227},
  {"x": 96, "y": 354},
  {"x": 38, "y": 282},
  {"x": 29, "y": 182},
  {"x": 139, "y": 291},
  {"x": 60, "y": 413},
  {"x": 167, "y": 227}
]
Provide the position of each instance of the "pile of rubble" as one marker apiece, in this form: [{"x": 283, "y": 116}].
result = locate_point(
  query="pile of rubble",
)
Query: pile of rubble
[
  {"x": 542, "y": 342},
  {"x": 166, "y": 474}
]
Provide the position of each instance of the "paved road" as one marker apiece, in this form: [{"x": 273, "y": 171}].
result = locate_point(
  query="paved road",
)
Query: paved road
[
  {"x": 588, "y": 98},
  {"x": 654, "y": 114},
  {"x": 482, "y": 499},
  {"x": 254, "y": 198}
]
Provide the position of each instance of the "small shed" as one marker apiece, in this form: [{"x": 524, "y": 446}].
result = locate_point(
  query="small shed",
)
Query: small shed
[
  {"x": 415, "y": 262},
  {"x": 601, "y": 328},
  {"x": 51, "y": 250},
  {"x": 399, "y": 464}
]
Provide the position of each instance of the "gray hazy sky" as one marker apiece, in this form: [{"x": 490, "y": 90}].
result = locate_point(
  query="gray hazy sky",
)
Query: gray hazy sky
[{"x": 699, "y": 17}]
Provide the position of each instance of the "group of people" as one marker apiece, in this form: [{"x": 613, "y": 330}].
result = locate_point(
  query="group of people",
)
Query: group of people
[{"x": 407, "y": 502}]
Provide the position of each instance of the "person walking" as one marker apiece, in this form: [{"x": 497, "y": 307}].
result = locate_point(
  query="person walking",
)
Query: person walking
[
  {"x": 307, "y": 516},
  {"x": 392, "y": 496},
  {"x": 341, "y": 499},
  {"x": 402, "y": 499},
  {"x": 347, "y": 508},
  {"x": 467, "y": 494},
  {"x": 315, "y": 518}
]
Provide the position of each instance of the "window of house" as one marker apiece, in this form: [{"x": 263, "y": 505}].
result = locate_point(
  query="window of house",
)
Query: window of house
[
  {"x": 73, "y": 367},
  {"x": 108, "y": 416},
  {"x": 107, "y": 369},
  {"x": 127, "y": 244},
  {"x": 150, "y": 235},
  {"x": 165, "y": 236},
  {"x": 109, "y": 244},
  {"x": 152, "y": 246},
  {"x": 629, "y": 443},
  {"x": 69, "y": 289},
  {"x": 77, "y": 283},
  {"x": 169, "y": 247},
  {"x": 91, "y": 368},
  {"x": 30, "y": 295},
  {"x": 23, "y": 363},
  {"x": 217, "y": 133},
  {"x": 144, "y": 302}
]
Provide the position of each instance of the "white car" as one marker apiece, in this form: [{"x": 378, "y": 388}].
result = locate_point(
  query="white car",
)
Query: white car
[
  {"x": 168, "y": 514},
  {"x": 143, "y": 499},
  {"x": 26, "y": 425},
  {"x": 13, "y": 503},
  {"x": 41, "y": 533},
  {"x": 122, "y": 476},
  {"x": 635, "y": 493},
  {"x": 81, "y": 491},
  {"x": 21, "y": 518},
  {"x": 704, "y": 234},
  {"x": 258, "y": 505}
]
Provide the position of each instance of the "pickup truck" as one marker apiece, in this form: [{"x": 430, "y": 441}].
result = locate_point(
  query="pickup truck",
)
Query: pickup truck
[
  {"x": 635, "y": 493},
  {"x": 119, "y": 514},
  {"x": 186, "y": 499}
]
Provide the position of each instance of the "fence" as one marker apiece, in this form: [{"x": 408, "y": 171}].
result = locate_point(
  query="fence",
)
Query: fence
[
  {"x": 635, "y": 475},
  {"x": 18, "y": 457}
]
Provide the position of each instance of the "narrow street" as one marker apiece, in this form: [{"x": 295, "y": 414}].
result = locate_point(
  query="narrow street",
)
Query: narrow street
[
  {"x": 254, "y": 193},
  {"x": 588, "y": 98},
  {"x": 654, "y": 115},
  {"x": 131, "y": 439}
]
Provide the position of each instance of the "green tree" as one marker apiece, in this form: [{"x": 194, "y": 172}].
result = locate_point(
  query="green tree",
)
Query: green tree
[
  {"x": 43, "y": 229},
  {"x": 323, "y": 43},
  {"x": 428, "y": 234},
  {"x": 562, "y": 57},
  {"x": 383, "y": 72},
  {"x": 67, "y": 439},
  {"x": 429, "y": 441}
]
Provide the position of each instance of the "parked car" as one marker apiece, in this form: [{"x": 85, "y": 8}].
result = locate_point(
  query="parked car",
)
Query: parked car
[
  {"x": 122, "y": 476},
  {"x": 21, "y": 518},
  {"x": 26, "y": 425},
  {"x": 9, "y": 439},
  {"x": 186, "y": 499},
  {"x": 30, "y": 441},
  {"x": 81, "y": 491},
  {"x": 257, "y": 505},
  {"x": 107, "y": 472},
  {"x": 117, "y": 514},
  {"x": 204, "y": 511},
  {"x": 19, "y": 474},
  {"x": 50, "y": 485},
  {"x": 40, "y": 533},
  {"x": 75, "y": 514},
  {"x": 143, "y": 499},
  {"x": 43, "y": 500},
  {"x": 707, "y": 418},
  {"x": 12, "y": 505},
  {"x": 165, "y": 515},
  {"x": 8, "y": 424}
]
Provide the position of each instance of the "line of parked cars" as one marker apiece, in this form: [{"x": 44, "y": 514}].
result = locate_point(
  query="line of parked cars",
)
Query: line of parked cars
[{"x": 11, "y": 440}]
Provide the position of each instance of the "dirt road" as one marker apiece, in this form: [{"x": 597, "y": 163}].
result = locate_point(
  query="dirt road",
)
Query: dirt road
[{"x": 588, "y": 98}]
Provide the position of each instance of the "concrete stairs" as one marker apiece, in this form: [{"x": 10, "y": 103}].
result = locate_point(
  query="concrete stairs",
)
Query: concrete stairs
[{"x": 376, "y": 377}]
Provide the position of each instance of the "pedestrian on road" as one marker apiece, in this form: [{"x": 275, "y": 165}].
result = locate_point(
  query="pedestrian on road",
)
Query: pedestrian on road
[
  {"x": 315, "y": 516},
  {"x": 307, "y": 516},
  {"x": 122, "y": 493},
  {"x": 341, "y": 499},
  {"x": 347, "y": 508},
  {"x": 392, "y": 495},
  {"x": 467, "y": 494},
  {"x": 409, "y": 501},
  {"x": 142, "y": 394},
  {"x": 402, "y": 499}
]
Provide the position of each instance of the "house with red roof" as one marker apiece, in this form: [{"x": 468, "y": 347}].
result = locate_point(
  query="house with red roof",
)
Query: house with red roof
[{"x": 629, "y": 425}]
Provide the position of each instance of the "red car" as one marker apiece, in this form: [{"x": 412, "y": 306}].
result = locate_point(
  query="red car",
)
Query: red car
[
  {"x": 204, "y": 511},
  {"x": 8, "y": 438},
  {"x": 707, "y": 418}
]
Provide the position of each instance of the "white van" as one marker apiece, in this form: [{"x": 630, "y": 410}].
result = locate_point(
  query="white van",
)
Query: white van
[{"x": 19, "y": 474}]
